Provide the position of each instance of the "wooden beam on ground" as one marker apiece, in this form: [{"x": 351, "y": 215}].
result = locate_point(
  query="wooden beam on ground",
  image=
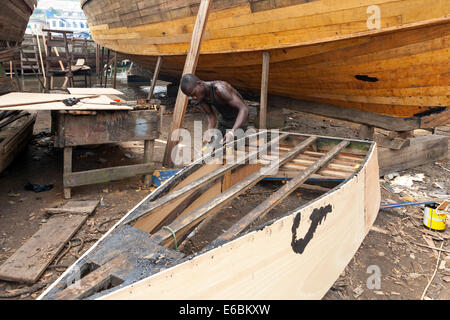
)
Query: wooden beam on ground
[
  {"x": 264, "y": 89},
  {"x": 155, "y": 77},
  {"x": 280, "y": 194},
  {"x": 105, "y": 175},
  {"x": 185, "y": 223},
  {"x": 357, "y": 116},
  {"x": 189, "y": 67},
  {"x": 421, "y": 150},
  {"x": 29, "y": 262},
  {"x": 396, "y": 143}
]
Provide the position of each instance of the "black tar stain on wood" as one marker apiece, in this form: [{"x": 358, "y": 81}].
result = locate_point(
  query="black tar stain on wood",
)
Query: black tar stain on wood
[
  {"x": 316, "y": 217},
  {"x": 366, "y": 78},
  {"x": 430, "y": 111}
]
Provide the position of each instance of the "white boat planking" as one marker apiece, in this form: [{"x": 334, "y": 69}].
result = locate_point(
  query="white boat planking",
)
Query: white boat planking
[{"x": 299, "y": 256}]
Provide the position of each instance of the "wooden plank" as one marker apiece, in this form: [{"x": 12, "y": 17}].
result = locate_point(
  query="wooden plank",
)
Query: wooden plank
[
  {"x": 67, "y": 170},
  {"x": 391, "y": 143},
  {"x": 105, "y": 175},
  {"x": 94, "y": 91},
  {"x": 189, "y": 67},
  {"x": 264, "y": 90},
  {"x": 75, "y": 207},
  {"x": 421, "y": 150},
  {"x": 182, "y": 225},
  {"x": 278, "y": 195},
  {"x": 29, "y": 262}
]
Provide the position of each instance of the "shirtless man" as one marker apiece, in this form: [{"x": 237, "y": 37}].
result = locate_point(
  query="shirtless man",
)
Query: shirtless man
[{"x": 220, "y": 95}]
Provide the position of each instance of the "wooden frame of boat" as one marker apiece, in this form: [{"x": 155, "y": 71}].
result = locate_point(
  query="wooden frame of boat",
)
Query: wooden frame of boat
[
  {"x": 14, "y": 18},
  {"x": 377, "y": 62},
  {"x": 297, "y": 254}
]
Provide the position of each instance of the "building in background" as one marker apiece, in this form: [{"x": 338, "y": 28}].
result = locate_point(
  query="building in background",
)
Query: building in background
[{"x": 59, "y": 15}]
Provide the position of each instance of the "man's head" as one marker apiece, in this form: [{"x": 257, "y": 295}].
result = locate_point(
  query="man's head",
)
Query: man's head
[{"x": 192, "y": 86}]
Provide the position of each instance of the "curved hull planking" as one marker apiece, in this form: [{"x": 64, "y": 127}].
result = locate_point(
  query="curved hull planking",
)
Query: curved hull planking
[
  {"x": 297, "y": 255},
  {"x": 331, "y": 52},
  {"x": 14, "y": 17}
]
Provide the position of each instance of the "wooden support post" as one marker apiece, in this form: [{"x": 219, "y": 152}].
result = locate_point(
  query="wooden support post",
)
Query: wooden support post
[
  {"x": 41, "y": 60},
  {"x": 115, "y": 70},
  {"x": 162, "y": 110},
  {"x": 366, "y": 132},
  {"x": 67, "y": 168},
  {"x": 97, "y": 60},
  {"x": 10, "y": 70},
  {"x": 107, "y": 66},
  {"x": 264, "y": 88},
  {"x": 155, "y": 77},
  {"x": 189, "y": 67},
  {"x": 149, "y": 146},
  {"x": 102, "y": 66}
]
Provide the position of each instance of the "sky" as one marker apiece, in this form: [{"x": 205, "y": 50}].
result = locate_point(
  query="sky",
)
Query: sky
[{"x": 59, "y": 4}]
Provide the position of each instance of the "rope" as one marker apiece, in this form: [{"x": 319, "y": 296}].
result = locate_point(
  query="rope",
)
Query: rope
[{"x": 173, "y": 234}]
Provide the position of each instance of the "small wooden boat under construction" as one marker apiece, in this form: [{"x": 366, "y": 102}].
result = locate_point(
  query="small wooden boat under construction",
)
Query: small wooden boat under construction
[
  {"x": 286, "y": 246},
  {"x": 378, "y": 62}
]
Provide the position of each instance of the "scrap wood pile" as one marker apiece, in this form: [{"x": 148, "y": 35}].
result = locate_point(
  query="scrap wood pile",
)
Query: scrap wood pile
[
  {"x": 48, "y": 246},
  {"x": 7, "y": 117}
]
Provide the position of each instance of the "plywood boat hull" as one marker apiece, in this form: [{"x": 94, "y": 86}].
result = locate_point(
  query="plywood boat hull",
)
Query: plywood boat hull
[
  {"x": 320, "y": 51},
  {"x": 298, "y": 255}
]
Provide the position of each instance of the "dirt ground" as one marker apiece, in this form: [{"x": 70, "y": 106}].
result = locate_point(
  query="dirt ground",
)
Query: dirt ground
[{"x": 393, "y": 250}]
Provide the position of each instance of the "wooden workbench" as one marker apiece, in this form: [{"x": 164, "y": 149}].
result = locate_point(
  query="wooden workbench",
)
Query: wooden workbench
[{"x": 105, "y": 127}]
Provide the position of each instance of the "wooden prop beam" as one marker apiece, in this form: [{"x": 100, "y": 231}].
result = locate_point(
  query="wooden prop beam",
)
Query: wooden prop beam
[
  {"x": 421, "y": 150},
  {"x": 155, "y": 77},
  {"x": 264, "y": 88},
  {"x": 360, "y": 116},
  {"x": 280, "y": 194},
  {"x": 186, "y": 222},
  {"x": 189, "y": 67}
]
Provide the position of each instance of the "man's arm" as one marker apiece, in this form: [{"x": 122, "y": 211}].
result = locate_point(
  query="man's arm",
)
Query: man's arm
[{"x": 210, "y": 117}]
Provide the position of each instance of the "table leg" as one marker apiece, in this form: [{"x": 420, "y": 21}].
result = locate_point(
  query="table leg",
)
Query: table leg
[
  {"x": 148, "y": 155},
  {"x": 67, "y": 168}
]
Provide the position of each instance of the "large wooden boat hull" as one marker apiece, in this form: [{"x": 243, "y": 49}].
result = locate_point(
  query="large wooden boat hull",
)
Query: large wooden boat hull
[
  {"x": 297, "y": 255},
  {"x": 322, "y": 51},
  {"x": 14, "y": 17}
]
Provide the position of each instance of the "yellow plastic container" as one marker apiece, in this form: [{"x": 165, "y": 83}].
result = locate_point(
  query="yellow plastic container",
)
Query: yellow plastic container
[{"x": 434, "y": 218}]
